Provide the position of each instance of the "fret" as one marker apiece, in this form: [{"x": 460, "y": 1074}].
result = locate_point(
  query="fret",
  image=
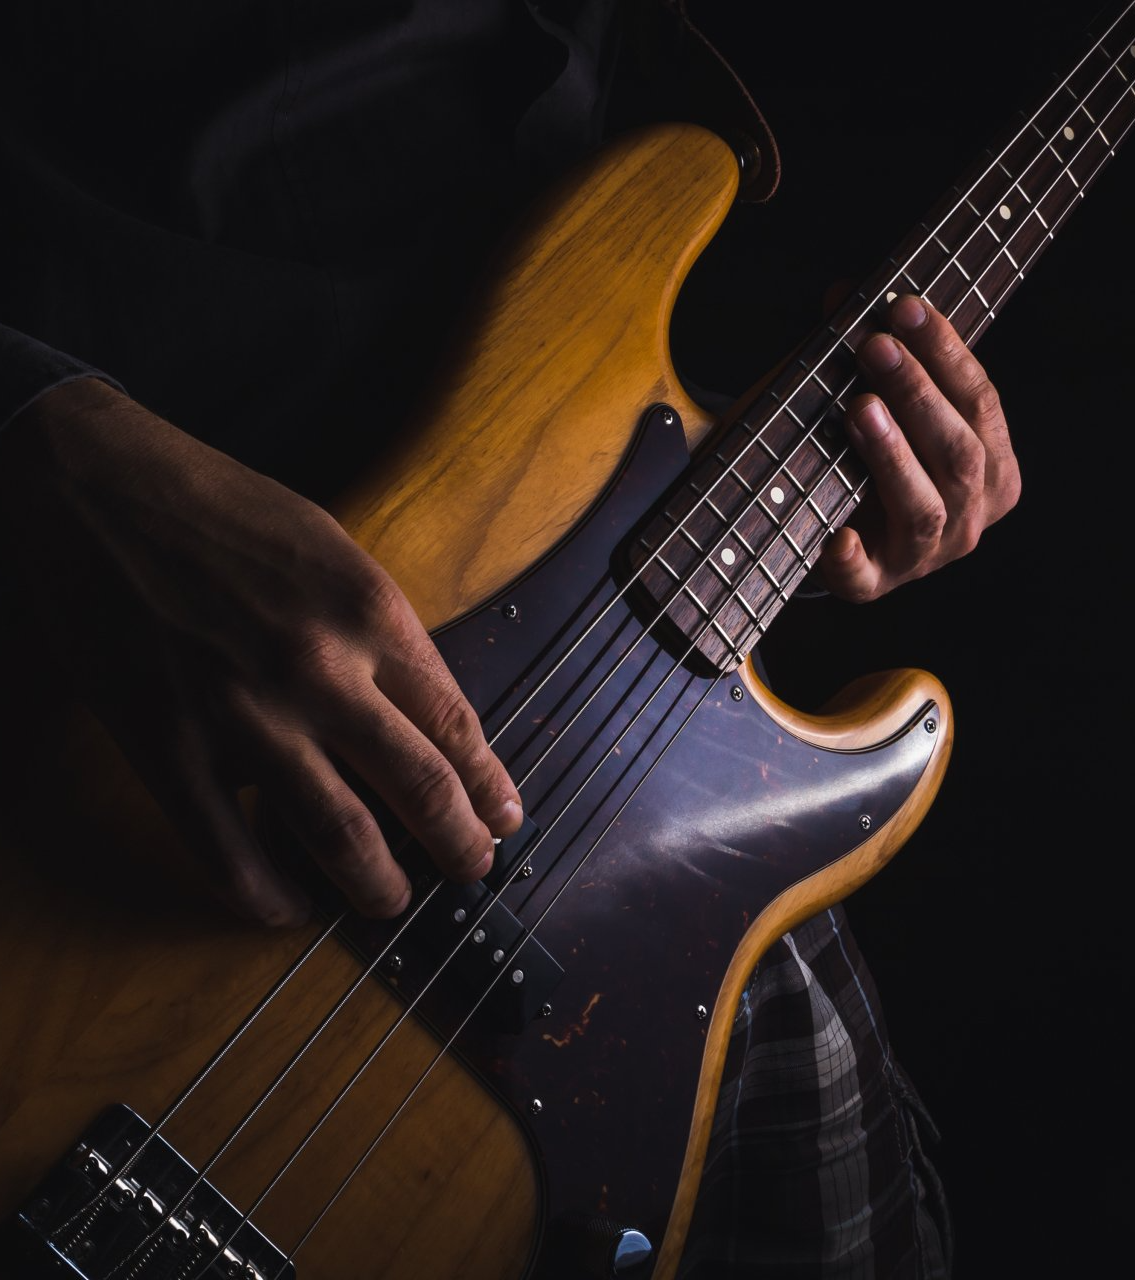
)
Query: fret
[{"x": 717, "y": 561}]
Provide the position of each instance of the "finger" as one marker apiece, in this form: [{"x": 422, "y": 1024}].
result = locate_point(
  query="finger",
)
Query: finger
[
  {"x": 906, "y": 540},
  {"x": 174, "y": 758},
  {"x": 335, "y": 827},
  {"x": 208, "y": 815},
  {"x": 414, "y": 679},
  {"x": 420, "y": 784},
  {"x": 962, "y": 379},
  {"x": 241, "y": 874},
  {"x": 847, "y": 570},
  {"x": 947, "y": 450}
]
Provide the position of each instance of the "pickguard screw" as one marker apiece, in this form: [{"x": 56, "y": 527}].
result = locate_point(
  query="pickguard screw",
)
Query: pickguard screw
[
  {"x": 545, "y": 1010},
  {"x": 702, "y": 1012},
  {"x": 535, "y": 1106},
  {"x": 865, "y": 821},
  {"x": 736, "y": 693},
  {"x": 931, "y": 726},
  {"x": 668, "y": 417},
  {"x": 527, "y": 870},
  {"x": 395, "y": 964},
  {"x": 511, "y": 612}
]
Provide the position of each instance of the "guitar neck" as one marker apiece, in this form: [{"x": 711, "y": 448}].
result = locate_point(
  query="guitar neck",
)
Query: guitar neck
[{"x": 730, "y": 546}]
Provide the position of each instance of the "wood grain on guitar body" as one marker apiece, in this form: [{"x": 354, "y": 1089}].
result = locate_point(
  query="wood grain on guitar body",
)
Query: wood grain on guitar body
[{"x": 513, "y": 1081}]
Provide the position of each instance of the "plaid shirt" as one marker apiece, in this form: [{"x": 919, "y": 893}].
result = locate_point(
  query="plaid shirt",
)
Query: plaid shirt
[{"x": 816, "y": 1166}]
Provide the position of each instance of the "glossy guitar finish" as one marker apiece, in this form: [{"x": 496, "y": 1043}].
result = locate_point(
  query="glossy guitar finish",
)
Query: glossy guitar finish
[
  {"x": 123, "y": 980},
  {"x": 681, "y": 822}
]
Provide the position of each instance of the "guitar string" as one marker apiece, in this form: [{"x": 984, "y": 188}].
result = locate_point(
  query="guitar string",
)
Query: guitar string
[
  {"x": 406, "y": 1100},
  {"x": 984, "y": 269},
  {"x": 836, "y": 398},
  {"x": 896, "y": 278},
  {"x": 334, "y": 926},
  {"x": 987, "y": 268},
  {"x": 864, "y": 314},
  {"x": 504, "y": 968}
]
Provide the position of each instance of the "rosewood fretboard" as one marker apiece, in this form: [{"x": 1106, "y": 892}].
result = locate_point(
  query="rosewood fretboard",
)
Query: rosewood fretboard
[{"x": 739, "y": 534}]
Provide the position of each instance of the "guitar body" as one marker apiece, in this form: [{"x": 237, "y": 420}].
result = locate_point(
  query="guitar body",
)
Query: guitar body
[{"x": 680, "y": 823}]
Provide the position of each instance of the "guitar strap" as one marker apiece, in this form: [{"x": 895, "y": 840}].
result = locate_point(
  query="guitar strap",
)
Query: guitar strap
[{"x": 682, "y": 75}]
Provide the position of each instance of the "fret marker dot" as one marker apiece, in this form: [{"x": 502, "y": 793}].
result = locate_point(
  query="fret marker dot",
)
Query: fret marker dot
[
  {"x": 1069, "y": 132},
  {"x": 891, "y": 295},
  {"x": 727, "y": 555},
  {"x": 776, "y": 493},
  {"x": 1005, "y": 212}
]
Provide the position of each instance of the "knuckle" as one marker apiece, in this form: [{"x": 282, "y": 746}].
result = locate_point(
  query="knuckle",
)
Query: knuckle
[
  {"x": 984, "y": 403},
  {"x": 434, "y": 793},
  {"x": 927, "y": 524},
  {"x": 966, "y": 462},
  {"x": 455, "y": 726},
  {"x": 318, "y": 654},
  {"x": 1008, "y": 492},
  {"x": 342, "y": 829},
  {"x": 376, "y": 601},
  {"x": 860, "y": 593},
  {"x": 969, "y": 535},
  {"x": 921, "y": 401}
]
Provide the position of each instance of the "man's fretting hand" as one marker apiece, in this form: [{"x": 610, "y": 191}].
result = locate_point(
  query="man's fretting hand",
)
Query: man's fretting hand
[
  {"x": 933, "y": 435},
  {"x": 229, "y": 633}
]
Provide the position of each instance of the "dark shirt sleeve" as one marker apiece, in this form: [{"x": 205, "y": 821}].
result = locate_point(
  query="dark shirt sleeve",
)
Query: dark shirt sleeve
[{"x": 29, "y": 367}]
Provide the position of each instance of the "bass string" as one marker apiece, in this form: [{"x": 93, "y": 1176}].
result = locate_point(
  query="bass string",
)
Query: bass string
[
  {"x": 513, "y": 950},
  {"x": 864, "y": 314},
  {"x": 445, "y": 1049},
  {"x": 409, "y": 1009},
  {"x": 809, "y": 436},
  {"x": 838, "y": 400},
  {"x": 245, "y": 1026},
  {"x": 411, "y": 1006}
]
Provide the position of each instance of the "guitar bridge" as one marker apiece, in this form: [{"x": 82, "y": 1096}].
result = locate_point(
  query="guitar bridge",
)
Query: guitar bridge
[{"x": 112, "y": 1207}]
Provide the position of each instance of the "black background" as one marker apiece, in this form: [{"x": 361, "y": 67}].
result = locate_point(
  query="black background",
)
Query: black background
[{"x": 998, "y": 935}]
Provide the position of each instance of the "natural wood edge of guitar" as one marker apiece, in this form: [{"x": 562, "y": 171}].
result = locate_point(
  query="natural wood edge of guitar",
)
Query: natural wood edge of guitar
[
  {"x": 867, "y": 711},
  {"x": 534, "y": 409}
]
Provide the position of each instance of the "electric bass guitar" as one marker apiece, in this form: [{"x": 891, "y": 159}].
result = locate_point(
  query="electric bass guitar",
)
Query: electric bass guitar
[{"x": 514, "y": 1080}]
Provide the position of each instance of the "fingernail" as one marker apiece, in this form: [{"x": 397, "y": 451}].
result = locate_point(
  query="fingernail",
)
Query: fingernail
[
  {"x": 909, "y": 312},
  {"x": 508, "y": 817},
  {"x": 880, "y": 354},
  {"x": 872, "y": 420}
]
